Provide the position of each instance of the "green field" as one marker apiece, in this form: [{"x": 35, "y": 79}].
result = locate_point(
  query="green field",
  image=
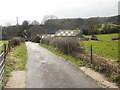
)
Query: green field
[
  {"x": 105, "y": 47},
  {"x": 6, "y": 42}
]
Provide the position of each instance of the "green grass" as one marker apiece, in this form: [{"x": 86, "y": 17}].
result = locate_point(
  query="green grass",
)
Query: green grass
[
  {"x": 105, "y": 37},
  {"x": 15, "y": 60},
  {"x": 105, "y": 47},
  {"x": 65, "y": 56},
  {"x": 5, "y": 42},
  {"x": 19, "y": 55}
]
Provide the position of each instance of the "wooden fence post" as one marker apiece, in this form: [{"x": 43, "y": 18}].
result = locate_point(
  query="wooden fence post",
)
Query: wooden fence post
[
  {"x": 9, "y": 46},
  {"x": 4, "y": 51},
  {"x": 91, "y": 57}
]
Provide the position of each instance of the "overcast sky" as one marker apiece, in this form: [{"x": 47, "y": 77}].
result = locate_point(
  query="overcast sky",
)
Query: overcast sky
[{"x": 36, "y": 9}]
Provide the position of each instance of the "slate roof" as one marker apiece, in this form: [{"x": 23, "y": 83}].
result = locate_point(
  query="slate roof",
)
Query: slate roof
[{"x": 67, "y": 33}]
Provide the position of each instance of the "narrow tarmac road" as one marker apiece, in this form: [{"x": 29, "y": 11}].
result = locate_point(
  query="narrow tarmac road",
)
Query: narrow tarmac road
[{"x": 46, "y": 70}]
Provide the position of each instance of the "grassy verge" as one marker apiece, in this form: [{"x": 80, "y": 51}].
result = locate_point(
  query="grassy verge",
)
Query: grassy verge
[
  {"x": 15, "y": 60},
  {"x": 105, "y": 47},
  {"x": 65, "y": 56}
]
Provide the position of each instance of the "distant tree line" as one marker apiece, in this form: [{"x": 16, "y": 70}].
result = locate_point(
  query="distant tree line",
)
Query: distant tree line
[
  {"x": 50, "y": 24},
  {"x": 26, "y": 30}
]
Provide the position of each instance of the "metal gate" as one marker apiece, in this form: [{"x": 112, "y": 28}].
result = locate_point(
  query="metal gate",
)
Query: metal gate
[{"x": 2, "y": 61}]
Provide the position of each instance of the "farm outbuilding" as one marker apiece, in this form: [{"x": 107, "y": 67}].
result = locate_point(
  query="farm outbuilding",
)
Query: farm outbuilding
[
  {"x": 64, "y": 33},
  {"x": 47, "y": 36}
]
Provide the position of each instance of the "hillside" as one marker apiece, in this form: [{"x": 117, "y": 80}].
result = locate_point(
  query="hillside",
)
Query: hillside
[{"x": 78, "y": 23}]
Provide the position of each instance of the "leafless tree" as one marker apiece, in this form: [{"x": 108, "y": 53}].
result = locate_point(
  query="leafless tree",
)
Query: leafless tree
[
  {"x": 8, "y": 24},
  {"x": 25, "y": 24},
  {"x": 34, "y": 22},
  {"x": 47, "y": 17}
]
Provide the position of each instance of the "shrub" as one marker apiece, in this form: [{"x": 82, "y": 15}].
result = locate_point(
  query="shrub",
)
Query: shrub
[
  {"x": 46, "y": 41},
  {"x": 35, "y": 39},
  {"x": 15, "y": 41},
  {"x": 67, "y": 45}
]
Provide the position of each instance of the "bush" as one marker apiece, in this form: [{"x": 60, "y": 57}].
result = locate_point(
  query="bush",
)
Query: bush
[
  {"x": 46, "y": 41},
  {"x": 15, "y": 41},
  {"x": 35, "y": 39},
  {"x": 67, "y": 45}
]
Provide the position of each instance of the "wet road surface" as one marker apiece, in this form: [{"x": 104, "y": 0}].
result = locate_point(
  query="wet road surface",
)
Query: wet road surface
[{"x": 46, "y": 70}]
